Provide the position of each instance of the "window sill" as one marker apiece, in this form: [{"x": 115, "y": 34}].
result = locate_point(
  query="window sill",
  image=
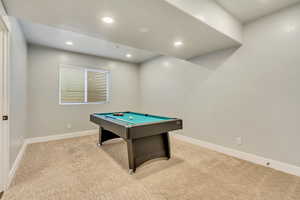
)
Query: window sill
[{"x": 90, "y": 103}]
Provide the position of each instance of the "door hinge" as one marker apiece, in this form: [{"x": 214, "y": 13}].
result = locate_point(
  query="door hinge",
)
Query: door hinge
[{"x": 4, "y": 117}]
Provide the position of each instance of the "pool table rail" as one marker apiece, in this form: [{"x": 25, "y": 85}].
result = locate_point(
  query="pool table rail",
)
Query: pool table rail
[
  {"x": 120, "y": 128},
  {"x": 131, "y": 131},
  {"x": 153, "y": 128}
]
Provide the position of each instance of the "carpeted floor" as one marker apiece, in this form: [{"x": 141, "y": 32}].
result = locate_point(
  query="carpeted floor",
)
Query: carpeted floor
[{"x": 76, "y": 169}]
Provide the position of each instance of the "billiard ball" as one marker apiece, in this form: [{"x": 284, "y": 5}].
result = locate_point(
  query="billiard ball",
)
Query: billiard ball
[
  {"x": 130, "y": 117},
  {"x": 118, "y": 114}
]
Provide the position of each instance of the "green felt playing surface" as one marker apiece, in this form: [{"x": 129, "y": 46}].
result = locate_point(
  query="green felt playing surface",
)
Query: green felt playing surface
[{"x": 135, "y": 118}]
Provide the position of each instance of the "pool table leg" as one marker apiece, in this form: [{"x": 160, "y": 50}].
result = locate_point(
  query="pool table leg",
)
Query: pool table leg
[
  {"x": 130, "y": 149},
  {"x": 143, "y": 149},
  {"x": 105, "y": 135},
  {"x": 166, "y": 140},
  {"x": 100, "y": 137}
]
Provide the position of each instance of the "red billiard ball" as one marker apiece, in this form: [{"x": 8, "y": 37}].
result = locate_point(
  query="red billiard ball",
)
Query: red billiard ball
[{"x": 118, "y": 114}]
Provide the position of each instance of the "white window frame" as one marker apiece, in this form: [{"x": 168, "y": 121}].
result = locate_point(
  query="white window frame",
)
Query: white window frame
[{"x": 86, "y": 70}]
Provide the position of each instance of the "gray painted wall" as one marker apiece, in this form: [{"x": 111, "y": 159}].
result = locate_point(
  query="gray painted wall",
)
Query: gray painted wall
[
  {"x": 18, "y": 90},
  {"x": 252, "y": 92},
  {"x": 47, "y": 117},
  {"x": 2, "y": 10}
]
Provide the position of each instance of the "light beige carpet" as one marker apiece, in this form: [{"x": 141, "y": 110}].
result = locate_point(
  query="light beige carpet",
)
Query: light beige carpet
[{"x": 76, "y": 169}]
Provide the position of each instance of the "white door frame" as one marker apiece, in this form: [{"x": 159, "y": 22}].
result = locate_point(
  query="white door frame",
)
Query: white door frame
[{"x": 4, "y": 101}]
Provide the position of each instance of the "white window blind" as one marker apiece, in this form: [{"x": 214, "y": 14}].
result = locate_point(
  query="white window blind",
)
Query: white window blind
[{"x": 79, "y": 85}]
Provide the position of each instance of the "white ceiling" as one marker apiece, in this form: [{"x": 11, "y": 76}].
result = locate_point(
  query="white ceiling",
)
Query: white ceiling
[
  {"x": 249, "y": 10},
  {"x": 165, "y": 23},
  {"x": 56, "y": 38}
]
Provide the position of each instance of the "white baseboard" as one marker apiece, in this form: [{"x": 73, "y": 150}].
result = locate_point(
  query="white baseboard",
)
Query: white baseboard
[
  {"x": 16, "y": 164},
  {"x": 27, "y": 141},
  {"x": 61, "y": 136},
  {"x": 277, "y": 165}
]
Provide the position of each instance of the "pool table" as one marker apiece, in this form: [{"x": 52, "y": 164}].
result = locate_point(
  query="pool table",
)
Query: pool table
[{"x": 146, "y": 135}]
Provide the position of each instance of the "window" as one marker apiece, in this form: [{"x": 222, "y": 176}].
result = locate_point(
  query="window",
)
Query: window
[{"x": 79, "y": 85}]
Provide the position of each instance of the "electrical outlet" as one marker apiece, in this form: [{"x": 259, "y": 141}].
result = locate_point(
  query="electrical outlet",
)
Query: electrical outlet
[
  {"x": 238, "y": 140},
  {"x": 69, "y": 126}
]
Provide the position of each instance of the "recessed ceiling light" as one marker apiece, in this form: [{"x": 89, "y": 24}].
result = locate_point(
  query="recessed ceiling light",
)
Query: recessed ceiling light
[
  {"x": 290, "y": 28},
  {"x": 70, "y": 43},
  {"x": 166, "y": 64},
  {"x": 108, "y": 20},
  {"x": 178, "y": 43},
  {"x": 128, "y": 55},
  {"x": 144, "y": 30}
]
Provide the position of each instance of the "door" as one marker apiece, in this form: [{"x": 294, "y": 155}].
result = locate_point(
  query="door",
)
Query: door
[{"x": 4, "y": 99}]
